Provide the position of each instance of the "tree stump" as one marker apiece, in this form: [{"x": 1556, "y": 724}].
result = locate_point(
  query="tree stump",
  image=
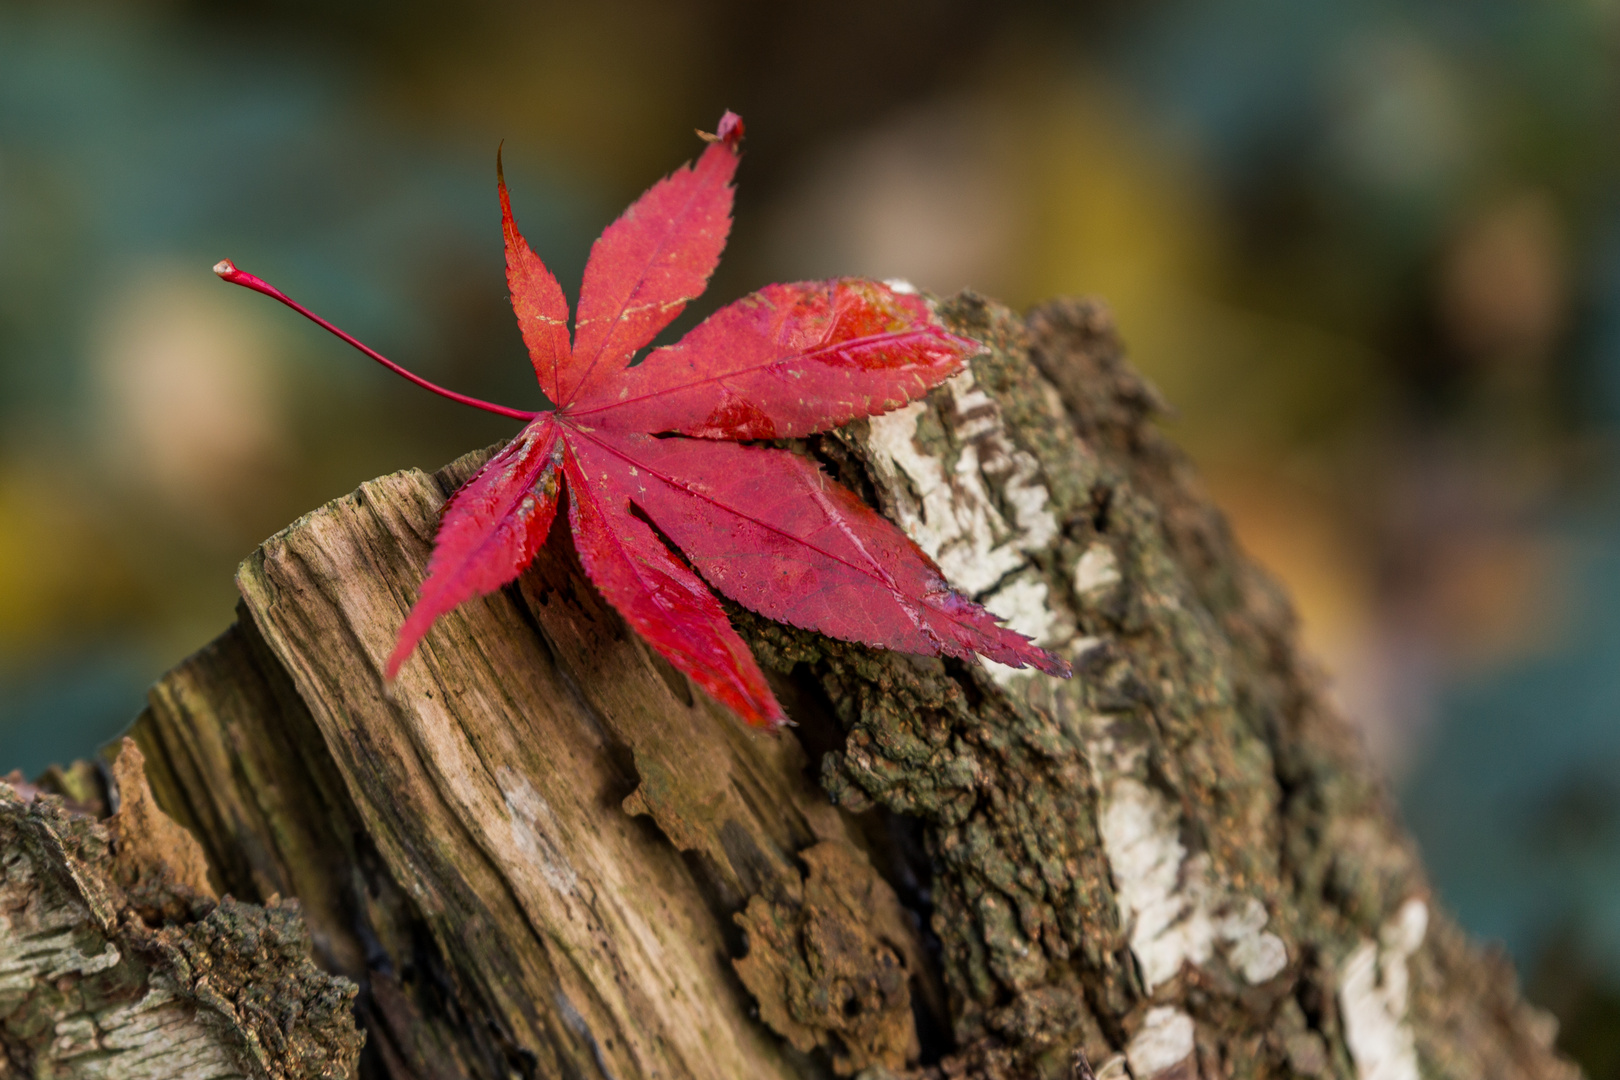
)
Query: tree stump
[{"x": 541, "y": 853}]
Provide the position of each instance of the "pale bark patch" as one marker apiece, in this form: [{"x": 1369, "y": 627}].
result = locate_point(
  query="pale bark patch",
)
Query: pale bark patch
[
  {"x": 1113, "y": 1068},
  {"x": 950, "y": 513},
  {"x": 154, "y": 1038},
  {"x": 1164, "y": 1041},
  {"x": 1096, "y": 569},
  {"x": 1175, "y": 911},
  {"x": 1021, "y": 605},
  {"x": 536, "y": 831},
  {"x": 1373, "y": 990}
]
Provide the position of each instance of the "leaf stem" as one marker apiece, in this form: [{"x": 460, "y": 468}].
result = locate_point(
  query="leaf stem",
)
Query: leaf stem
[{"x": 227, "y": 270}]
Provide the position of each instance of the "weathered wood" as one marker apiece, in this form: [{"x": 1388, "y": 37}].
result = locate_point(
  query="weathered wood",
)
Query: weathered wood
[
  {"x": 492, "y": 794},
  {"x": 541, "y": 853},
  {"x": 116, "y": 963}
]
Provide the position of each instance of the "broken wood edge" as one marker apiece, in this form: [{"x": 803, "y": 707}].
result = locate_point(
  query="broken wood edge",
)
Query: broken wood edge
[{"x": 117, "y": 957}]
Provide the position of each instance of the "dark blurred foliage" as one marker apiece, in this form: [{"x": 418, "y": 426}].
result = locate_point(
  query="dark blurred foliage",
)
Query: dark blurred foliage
[{"x": 1370, "y": 251}]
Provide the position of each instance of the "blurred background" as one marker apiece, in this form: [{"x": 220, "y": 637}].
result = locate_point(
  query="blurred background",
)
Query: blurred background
[{"x": 1370, "y": 251}]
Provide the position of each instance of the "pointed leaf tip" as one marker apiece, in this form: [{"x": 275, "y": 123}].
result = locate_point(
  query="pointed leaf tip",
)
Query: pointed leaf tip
[
  {"x": 646, "y": 267},
  {"x": 729, "y": 133},
  {"x": 491, "y": 529},
  {"x": 537, "y": 299},
  {"x": 658, "y": 595},
  {"x": 500, "y": 186}
]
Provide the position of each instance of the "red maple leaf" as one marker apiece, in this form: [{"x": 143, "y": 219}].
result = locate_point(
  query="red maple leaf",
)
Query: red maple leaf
[{"x": 763, "y": 526}]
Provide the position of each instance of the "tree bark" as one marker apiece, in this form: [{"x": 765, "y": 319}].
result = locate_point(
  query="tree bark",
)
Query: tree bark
[
  {"x": 117, "y": 963},
  {"x": 541, "y": 853}
]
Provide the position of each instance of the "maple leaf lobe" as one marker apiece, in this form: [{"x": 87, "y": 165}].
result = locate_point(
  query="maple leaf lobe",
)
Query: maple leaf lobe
[
  {"x": 647, "y": 265},
  {"x": 811, "y": 356},
  {"x": 661, "y": 599},
  {"x": 537, "y": 299},
  {"x": 491, "y": 529}
]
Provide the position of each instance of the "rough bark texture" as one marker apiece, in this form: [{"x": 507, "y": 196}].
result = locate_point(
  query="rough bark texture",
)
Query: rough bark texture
[
  {"x": 117, "y": 963},
  {"x": 541, "y": 853}
]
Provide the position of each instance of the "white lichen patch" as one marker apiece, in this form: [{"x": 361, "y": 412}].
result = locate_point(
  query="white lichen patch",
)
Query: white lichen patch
[
  {"x": 1258, "y": 955},
  {"x": 979, "y": 542},
  {"x": 1175, "y": 911},
  {"x": 1164, "y": 1041},
  {"x": 1022, "y": 604},
  {"x": 1096, "y": 569},
  {"x": 1163, "y": 910},
  {"x": 1373, "y": 991},
  {"x": 536, "y": 831},
  {"x": 950, "y": 514}
]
